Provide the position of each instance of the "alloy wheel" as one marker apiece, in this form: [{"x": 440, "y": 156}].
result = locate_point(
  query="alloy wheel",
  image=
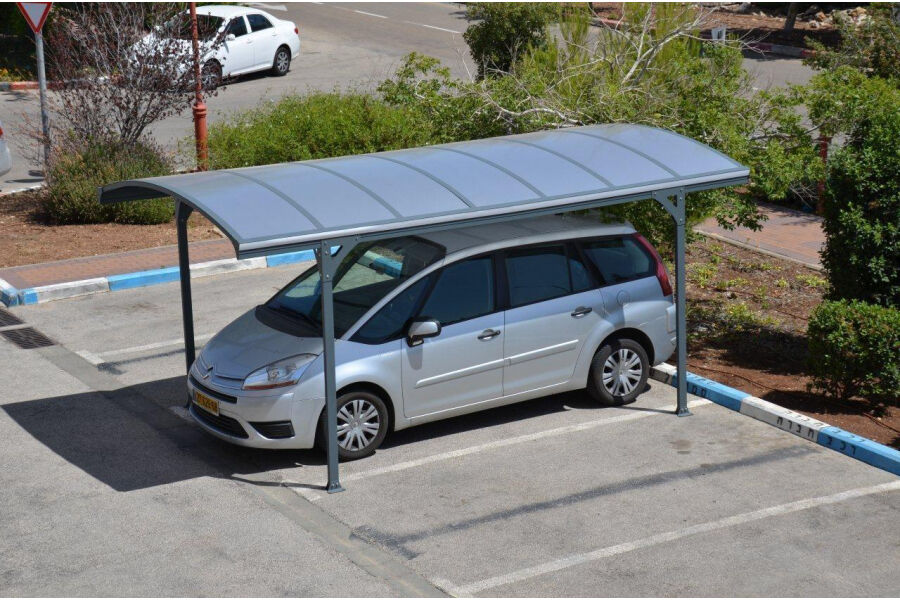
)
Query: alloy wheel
[
  {"x": 282, "y": 61},
  {"x": 622, "y": 372},
  {"x": 358, "y": 424}
]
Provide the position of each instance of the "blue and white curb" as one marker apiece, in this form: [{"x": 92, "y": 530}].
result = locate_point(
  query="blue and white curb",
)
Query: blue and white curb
[
  {"x": 10, "y": 296},
  {"x": 819, "y": 432}
]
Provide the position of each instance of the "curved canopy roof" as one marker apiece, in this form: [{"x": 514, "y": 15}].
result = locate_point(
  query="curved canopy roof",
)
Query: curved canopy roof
[{"x": 290, "y": 206}]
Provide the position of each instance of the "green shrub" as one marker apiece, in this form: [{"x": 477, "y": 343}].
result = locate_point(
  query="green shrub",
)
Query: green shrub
[
  {"x": 318, "y": 125},
  {"x": 76, "y": 172},
  {"x": 862, "y": 204},
  {"x": 854, "y": 350},
  {"x": 505, "y": 30},
  {"x": 872, "y": 47}
]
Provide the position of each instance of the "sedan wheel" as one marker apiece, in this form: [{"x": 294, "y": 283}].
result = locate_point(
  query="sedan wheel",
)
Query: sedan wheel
[
  {"x": 211, "y": 75},
  {"x": 362, "y": 423},
  {"x": 618, "y": 372},
  {"x": 282, "y": 63}
]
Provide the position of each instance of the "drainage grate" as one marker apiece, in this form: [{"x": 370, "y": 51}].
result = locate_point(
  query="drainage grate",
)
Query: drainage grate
[
  {"x": 27, "y": 338},
  {"x": 7, "y": 319}
]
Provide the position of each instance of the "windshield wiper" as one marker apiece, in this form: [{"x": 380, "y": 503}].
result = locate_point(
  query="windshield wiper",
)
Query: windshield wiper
[{"x": 293, "y": 314}]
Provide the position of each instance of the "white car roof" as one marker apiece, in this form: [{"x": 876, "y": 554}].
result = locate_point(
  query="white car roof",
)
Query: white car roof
[{"x": 228, "y": 12}]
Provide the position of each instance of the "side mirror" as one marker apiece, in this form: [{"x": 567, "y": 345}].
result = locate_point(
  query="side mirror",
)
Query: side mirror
[
  {"x": 230, "y": 37},
  {"x": 419, "y": 330}
]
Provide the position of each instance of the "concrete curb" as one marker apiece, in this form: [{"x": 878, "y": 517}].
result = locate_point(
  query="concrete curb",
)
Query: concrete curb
[
  {"x": 751, "y": 247},
  {"x": 13, "y": 86},
  {"x": 835, "y": 438},
  {"x": 11, "y": 296}
]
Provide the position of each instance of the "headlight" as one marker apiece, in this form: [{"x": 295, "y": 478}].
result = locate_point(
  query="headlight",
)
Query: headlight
[{"x": 279, "y": 374}]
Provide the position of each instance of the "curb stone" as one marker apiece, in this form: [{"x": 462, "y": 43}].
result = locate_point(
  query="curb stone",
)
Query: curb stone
[{"x": 813, "y": 430}]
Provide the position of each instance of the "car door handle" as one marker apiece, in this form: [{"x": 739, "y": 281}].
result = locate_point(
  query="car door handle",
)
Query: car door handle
[
  {"x": 488, "y": 334},
  {"x": 581, "y": 311}
]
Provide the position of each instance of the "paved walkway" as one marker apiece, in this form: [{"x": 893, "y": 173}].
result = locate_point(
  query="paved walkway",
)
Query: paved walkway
[{"x": 787, "y": 233}]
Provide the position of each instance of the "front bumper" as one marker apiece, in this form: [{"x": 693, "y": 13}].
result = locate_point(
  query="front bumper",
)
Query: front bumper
[{"x": 243, "y": 419}]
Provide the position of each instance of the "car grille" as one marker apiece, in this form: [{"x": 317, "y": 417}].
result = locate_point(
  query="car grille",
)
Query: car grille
[
  {"x": 275, "y": 430},
  {"x": 221, "y": 422},
  {"x": 212, "y": 393}
]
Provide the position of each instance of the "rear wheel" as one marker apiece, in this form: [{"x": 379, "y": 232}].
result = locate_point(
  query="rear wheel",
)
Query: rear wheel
[
  {"x": 618, "y": 372},
  {"x": 281, "y": 64},
  {"x": 362, "y": 423}
]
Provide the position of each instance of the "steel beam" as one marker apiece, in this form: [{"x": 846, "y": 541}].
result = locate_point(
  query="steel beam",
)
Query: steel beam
[
  {"x": 679, "y": 215},
  {"x": 328, "y": 263},
  {"x": 182, "y": 212}
]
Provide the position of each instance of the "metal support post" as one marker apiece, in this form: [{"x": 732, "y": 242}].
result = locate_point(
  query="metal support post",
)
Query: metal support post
[
  {"x": 42, "y": 91},
  {"x": 679, "y": 215},
  {"x": 182, "y": 212},
  {"x": 327, "y": 267}
]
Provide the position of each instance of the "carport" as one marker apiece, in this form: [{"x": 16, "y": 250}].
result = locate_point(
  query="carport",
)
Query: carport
[{"x": 332, "y": 205}]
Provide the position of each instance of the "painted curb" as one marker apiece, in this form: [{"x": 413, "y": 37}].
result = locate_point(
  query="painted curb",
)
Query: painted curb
[
  {"x": 10, "y": 296},
  {"x": 13, "y": 86},
  {"x": 813, "y": 430}
]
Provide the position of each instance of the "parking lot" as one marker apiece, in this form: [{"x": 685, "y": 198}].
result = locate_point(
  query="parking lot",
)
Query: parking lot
[{"x": 106, "y": 488}]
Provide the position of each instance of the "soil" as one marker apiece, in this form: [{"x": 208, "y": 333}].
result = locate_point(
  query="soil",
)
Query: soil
[
  {"x": 747, "y": 312},
  {"x": 26, "y": 238},
  {"x": 763, "y": 24},
  {"x": 747, "y": 318}
]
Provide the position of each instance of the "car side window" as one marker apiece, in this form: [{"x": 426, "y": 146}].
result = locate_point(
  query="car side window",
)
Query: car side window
[
  {"x": 537, "y": 274},
  {"x": 581, "y": 278},
  {"x": 258, "y": 22},
  {"x": 619, "y": 259},
  {"x": 463, "y": 291},
  {"x": 391, "y": 320},
  {"x": 237, "y": 27}
]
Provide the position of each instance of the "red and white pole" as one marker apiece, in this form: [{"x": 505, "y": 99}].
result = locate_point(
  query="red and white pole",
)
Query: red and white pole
[{"x": 199, "y": 107}]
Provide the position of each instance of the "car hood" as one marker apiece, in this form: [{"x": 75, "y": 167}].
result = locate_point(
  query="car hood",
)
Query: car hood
[{"x": 247, "y": 344}]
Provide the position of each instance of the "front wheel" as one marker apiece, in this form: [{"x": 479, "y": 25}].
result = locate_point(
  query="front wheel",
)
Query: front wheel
[
  {"x": 362, "y": 424},
  {"x": 211, "y": 75},
  {"x": 281, "y": 64},
  {"x": 618, "y": 372}
]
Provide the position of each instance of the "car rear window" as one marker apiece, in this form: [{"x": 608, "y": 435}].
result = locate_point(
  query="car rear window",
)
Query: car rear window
[{"x": 619, "y": 259}]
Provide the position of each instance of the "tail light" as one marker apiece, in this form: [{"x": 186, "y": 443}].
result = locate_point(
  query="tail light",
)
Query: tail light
[
  {"x": 1, "y": 132},
  {"x": 296, "y": 30},
  {"x": 662, "y": 275}
]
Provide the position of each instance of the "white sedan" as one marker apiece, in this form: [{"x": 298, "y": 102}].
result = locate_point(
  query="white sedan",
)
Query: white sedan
[{"x": 249, "y": 40}]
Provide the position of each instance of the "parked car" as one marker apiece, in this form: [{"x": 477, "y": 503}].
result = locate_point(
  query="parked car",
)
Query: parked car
[
  {"x": 5, "y": 157},
  {"x": 444, "y": 324},
  {"x": 247, "y": 40}
]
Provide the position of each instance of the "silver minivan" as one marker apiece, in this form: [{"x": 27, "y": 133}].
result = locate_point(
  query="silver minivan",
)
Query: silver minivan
[{"x": 433, "y": 326}]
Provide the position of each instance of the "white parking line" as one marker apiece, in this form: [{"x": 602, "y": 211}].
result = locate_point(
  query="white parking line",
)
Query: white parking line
[
  {"x": 267, "y": 6},
  {"x": 99, "y": 358},
  {"x": 661, "y": 538},
  {"x": 362, "y": 12},
  {"x": 432, "y": 27},
  {"x": 520, "y": 439}
]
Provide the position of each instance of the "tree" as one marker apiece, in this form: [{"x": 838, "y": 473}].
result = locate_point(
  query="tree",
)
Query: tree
[
  {"x": 117, "y": 68},
  {"x": 505, "y": 30}
]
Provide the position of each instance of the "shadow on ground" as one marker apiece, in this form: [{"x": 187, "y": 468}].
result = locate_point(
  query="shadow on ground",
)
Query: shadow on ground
[{"x": 130, "y": 439}]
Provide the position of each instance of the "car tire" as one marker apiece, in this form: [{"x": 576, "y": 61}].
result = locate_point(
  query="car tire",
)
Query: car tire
[
  {"x": 358, "y": 411},
  {"x": 281, "y": 64},
  {"x": 618, "y": 372},
  {"x": 211, "y": 75}
]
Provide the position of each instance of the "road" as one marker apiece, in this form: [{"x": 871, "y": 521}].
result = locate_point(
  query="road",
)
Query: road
[
  {"x": 107, "y": 489},
  {"x": 346, "y": 45}
]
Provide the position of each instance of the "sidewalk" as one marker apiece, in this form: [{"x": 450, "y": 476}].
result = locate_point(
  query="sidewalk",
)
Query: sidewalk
[{"x": 787, "y": 233}]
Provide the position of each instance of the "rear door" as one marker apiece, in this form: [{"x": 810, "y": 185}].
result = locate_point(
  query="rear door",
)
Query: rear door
[
  {"x": 553, "y": 306},
  {"x": 265, "y": 40},
  {"x": 629, "y": 274},
  {"x": 464, "y": 364}
]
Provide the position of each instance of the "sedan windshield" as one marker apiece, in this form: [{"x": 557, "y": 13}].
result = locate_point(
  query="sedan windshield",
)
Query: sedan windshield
[{"x": 365, "y": 276}]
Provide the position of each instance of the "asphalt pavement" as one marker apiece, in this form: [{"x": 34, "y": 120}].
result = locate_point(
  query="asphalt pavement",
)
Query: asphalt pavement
[
  {"x": 344, "y": 46},
  {"x": 107, "y": 488}
]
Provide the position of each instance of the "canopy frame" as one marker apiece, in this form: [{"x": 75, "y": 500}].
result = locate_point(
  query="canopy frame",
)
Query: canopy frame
[{"x": 332, "y": 245}]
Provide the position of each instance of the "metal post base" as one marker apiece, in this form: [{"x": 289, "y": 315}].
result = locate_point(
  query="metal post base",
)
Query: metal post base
[
  {"x": 683, "y": 412},
  {"x": 334, "y": 488}
]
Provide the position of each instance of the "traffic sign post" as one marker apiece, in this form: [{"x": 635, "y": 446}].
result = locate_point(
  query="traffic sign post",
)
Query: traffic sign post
[{"x": 35, "y": 14}]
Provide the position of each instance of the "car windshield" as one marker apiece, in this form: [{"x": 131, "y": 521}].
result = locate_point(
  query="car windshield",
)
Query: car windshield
[
  {"x": 365, "y": 276},
  {"x": 179, "y": 27}
]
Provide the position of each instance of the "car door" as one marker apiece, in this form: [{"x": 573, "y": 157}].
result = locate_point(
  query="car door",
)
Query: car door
[
  {"x": 462, "y": 365},
  {"x": 265, "y": 40},
  {"x": 239, "y": 51},
  {"x": 553, "y": 307},
  {"x": 627, "y": 269}
]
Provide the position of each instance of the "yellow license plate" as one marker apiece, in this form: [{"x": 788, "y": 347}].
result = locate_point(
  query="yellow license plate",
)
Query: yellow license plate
[{"x": 208, "y": 404}]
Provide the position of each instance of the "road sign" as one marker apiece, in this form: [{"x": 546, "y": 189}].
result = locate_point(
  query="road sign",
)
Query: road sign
[{"x": 35, "y": 13}]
